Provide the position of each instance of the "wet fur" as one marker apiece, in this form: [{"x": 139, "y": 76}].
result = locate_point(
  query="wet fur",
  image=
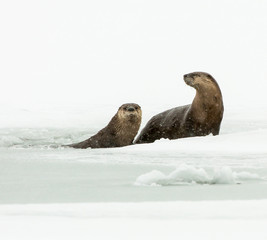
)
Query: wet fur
[
  {"x": 200, "y": 118},
  {"x": 120, "y": 131}
]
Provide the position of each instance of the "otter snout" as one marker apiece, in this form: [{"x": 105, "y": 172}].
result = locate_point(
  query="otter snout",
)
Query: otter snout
[
  {"x": 131, "y": 109},
  {"x": 188, "y": 79},
  {"x": 185, "y": 76}
]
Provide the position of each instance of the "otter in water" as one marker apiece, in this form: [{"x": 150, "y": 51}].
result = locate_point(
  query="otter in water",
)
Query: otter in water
[
  {"x": 120, "y": 131},
  {"x": 200, "y": 118}
]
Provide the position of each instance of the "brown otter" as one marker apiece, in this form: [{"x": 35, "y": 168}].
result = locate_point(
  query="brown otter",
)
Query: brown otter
[
  {"x": 200, "y": 118},
  {"x": 120, "y": 131}
]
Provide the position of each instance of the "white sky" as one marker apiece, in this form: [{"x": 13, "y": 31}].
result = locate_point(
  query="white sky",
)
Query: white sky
[{"x": 57, "y": 51}]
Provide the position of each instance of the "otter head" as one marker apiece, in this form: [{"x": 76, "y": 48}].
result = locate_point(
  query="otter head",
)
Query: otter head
[
  {"x": 200, "y": 80},
  {"x": 208, "y": 95},
  {"x": 130, "y": 112}
]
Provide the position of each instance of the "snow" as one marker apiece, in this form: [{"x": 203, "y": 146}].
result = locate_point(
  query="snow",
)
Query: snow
[
  {"x": 186, "y": 174},
  {"x": 36, "y": 168},
  {"x": 187, "y": 220},
  {"x": 198, "y": 187}
]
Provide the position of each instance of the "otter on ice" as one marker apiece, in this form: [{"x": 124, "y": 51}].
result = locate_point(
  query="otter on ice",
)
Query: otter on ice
[
  {"x": 120, "y": 131},
  {"x": 200, "y": 118}
]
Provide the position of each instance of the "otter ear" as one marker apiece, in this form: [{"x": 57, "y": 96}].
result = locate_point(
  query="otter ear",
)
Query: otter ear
[{"x": 209, "y": 76}]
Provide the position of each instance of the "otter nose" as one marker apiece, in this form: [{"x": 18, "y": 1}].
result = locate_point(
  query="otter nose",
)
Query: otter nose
[{"x": 130, "y": 109}]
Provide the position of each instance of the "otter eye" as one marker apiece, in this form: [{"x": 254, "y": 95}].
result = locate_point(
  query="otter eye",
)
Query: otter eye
[
  {"x": 125, "y": 108},
  {"x": 136, "y": 108}
]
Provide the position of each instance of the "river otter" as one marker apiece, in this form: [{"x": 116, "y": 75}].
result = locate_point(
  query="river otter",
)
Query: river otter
[
  {"x": 120, "y": 131},
  {"x": 200, "y": 118}
]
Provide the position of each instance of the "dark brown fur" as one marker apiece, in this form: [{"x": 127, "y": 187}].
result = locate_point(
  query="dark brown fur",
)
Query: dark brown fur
[
  {"x": 200, "y": 118},
  {"x": 120, "y": 131}
]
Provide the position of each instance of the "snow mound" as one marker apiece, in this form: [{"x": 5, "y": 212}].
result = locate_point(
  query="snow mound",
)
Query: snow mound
[{"x": 186, "y": 174}]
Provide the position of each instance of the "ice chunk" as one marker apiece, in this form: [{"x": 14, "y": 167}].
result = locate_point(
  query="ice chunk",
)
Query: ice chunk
[
  {"x": 186, "y": 174},
  {"x": 223, "y": 175},
  {"x": 152, "y": 178}
]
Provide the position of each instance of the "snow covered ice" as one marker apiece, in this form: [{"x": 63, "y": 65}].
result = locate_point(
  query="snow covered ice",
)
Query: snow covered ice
[
  {"x": 216, "y": 180},
  {"x": 37, "y": 169},
  {"x": 67, "y": 66}
]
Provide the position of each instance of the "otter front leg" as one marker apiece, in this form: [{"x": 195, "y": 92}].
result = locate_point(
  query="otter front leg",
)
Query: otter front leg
[{"x": 215, "y": 131}]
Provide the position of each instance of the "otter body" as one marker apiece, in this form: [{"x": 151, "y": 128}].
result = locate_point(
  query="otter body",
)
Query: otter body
[
  {"x": 200, "y": 118},
  {"x": 120, "y": 131}
]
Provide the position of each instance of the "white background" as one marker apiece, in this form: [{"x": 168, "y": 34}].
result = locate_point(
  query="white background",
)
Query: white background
[{"x": 73, "y": 52}]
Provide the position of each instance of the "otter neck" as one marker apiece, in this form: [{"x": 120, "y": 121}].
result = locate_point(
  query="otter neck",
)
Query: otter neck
[
  {"x": 125, "y": 128},
  {"x": 205, "y": 103}
]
